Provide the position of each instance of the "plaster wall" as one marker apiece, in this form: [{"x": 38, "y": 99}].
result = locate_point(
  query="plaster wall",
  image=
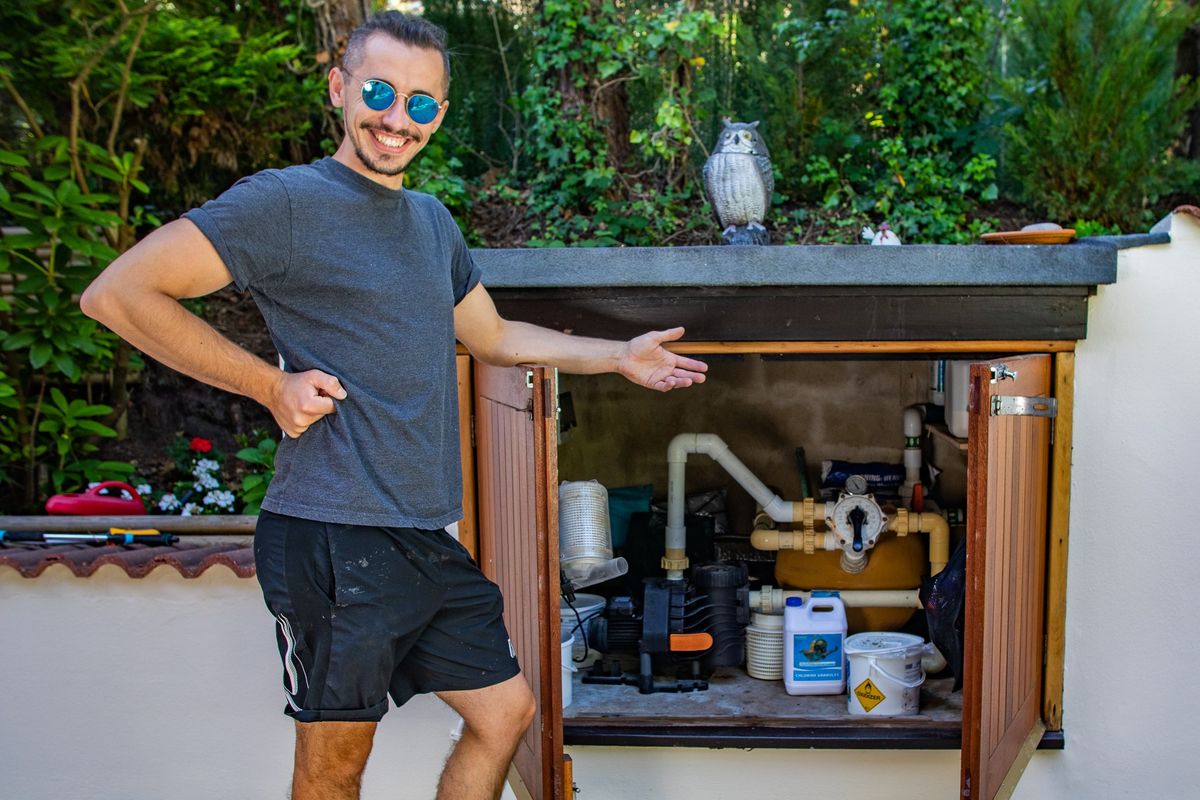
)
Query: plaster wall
[{"x": 121, "y": 689}]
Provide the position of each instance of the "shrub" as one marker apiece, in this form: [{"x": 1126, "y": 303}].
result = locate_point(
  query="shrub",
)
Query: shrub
[{"x": 1100, "y": 106}]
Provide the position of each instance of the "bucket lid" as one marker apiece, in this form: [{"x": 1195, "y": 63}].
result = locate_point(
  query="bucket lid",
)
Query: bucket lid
[
  {"x": 584, "y": 603},
  {"x": 877, "y": 643}
]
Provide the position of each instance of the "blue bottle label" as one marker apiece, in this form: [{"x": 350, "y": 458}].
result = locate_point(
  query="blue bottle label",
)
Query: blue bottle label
[{"x": 817, "y": 657}]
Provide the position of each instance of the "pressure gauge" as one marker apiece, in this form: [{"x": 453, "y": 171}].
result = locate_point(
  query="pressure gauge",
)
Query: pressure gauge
[{"x": 856, "y": 484}]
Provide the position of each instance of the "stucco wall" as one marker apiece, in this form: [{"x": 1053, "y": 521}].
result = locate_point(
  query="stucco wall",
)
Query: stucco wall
[
  {"x": 114, "y": 688},
  {"x": 120, "y": 689}
]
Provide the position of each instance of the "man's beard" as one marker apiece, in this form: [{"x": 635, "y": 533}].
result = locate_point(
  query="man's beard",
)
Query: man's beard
[{"x": 370, "y": 162}]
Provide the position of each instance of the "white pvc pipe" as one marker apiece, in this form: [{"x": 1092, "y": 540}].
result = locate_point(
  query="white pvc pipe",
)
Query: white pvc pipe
[
  {"x": 712, "y": 446},
  {"x": 772, "y": 601}
]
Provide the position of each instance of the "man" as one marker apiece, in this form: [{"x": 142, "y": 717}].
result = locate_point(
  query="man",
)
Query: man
[{"x": 364, "y": 286}]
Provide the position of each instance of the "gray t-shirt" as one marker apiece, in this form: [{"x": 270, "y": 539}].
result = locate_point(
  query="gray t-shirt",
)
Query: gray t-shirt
[{"x": 359, "y": 281}]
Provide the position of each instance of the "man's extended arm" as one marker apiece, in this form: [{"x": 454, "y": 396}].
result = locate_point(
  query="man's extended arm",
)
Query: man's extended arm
[
  {"x": 502, "y": 342},
  {"x": 138, "y": 295}
]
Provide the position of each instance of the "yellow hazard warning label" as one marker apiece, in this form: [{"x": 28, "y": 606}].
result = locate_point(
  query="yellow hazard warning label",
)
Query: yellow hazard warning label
[{"x": 869, "y": 695}]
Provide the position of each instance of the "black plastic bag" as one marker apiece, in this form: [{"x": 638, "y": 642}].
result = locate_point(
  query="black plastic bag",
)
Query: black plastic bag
[{"x": 943, "y": 599}]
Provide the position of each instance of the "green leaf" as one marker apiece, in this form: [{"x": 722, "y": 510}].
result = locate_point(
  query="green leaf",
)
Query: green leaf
[
  {"x": 67, "y": 366},
  {"x": 39, "y": 354},
  {"x": 9, "y": 158},
  {"x": 19, "y": 340},
  {"x": 92, "y": 426}
]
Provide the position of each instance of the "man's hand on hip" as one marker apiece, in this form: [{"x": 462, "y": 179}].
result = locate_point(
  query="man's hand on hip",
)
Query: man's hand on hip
[{"x": 300, "y": 399}]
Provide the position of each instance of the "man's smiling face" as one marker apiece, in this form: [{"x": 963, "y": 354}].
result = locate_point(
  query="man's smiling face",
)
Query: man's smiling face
[{"x": 380, "y": 144}]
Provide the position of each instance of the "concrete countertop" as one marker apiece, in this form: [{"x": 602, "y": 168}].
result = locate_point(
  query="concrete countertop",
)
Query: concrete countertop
[{"x": 1086, "y": 262}]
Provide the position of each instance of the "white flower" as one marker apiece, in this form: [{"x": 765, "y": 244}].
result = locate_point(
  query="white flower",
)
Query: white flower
[
  {"x": 144, "y": 489},
  {"x": 204, "y": 466},
  {"x": 169, "y": 502},
  {"x": 190, "y": 509},
  {"x": 205, "y": 481},
  {"x": 219, "y": 499}
]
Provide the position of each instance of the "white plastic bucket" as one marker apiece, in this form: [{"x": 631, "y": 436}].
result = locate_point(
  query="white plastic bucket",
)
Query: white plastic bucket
[
  {"x": 885, "y": 673},
  {"x": 589, "y": 606},
  {"x": 567, "y": 668}
]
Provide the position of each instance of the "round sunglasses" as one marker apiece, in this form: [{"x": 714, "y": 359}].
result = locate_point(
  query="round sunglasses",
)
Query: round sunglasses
[{"x": 379, "y": 95}]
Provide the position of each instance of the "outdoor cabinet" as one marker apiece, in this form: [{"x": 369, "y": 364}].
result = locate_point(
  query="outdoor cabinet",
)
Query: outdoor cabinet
[{"x": 1017, "y": 481}]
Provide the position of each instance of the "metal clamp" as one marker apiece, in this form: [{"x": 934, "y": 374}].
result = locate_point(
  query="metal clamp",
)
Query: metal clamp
[{"x": 1015, "y": 406}]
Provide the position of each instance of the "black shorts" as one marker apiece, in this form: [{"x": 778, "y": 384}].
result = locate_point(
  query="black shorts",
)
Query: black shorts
[{"x": 362, "y": 613}]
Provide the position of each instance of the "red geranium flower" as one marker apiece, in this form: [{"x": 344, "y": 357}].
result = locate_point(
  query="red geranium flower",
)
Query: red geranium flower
[{"x": 201, "y": 445}]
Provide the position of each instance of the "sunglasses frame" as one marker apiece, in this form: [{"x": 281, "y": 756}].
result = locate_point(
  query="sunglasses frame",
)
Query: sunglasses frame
[{"x": 408, "y": 99}]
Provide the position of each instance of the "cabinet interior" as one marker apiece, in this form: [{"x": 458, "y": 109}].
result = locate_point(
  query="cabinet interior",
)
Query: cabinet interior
[{"x": 764, "y": 407}]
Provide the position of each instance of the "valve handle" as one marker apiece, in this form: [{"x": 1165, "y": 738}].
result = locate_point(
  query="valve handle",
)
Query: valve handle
[{"x": 857, "y": 518}]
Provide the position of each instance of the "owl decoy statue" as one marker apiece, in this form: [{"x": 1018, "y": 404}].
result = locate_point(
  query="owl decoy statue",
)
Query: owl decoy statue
[{"x": 739, "y": 183}]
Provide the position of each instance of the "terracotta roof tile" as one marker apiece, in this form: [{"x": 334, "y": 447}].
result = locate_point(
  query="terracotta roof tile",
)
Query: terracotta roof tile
[{"x": 138, "y": 560}]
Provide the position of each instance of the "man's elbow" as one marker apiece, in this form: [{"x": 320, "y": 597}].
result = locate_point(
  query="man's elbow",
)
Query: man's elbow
[{"x": 98, "y": 300}]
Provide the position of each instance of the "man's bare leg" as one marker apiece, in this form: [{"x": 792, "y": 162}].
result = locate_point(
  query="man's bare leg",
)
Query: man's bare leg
[
  {"x": 330, "y": 758},
  {"x": 494, "y": 720}
]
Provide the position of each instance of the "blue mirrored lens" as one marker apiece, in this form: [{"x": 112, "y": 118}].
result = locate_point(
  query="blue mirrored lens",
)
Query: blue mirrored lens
[
  {"x": 378, "y": 95},
  {"x": 422, "y": 108}
]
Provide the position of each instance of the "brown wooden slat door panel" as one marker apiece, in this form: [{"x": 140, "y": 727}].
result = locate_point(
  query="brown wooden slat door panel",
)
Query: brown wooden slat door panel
[
  {"x": 1008, "y": 462},
  {"x": 516, "y": 460}
]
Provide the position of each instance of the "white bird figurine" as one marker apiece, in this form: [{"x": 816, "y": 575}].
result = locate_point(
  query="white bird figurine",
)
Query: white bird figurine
[{"x": 885, "y": 236}]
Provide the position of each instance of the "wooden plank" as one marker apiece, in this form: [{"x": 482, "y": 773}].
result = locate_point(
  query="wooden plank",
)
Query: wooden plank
[
  {"x": 468, "y": 534},
  {"x": 870, "y": 348},
  {"x": 1008, "y": 461},
  {"x": 545, "y": 445},
  {"x": 1056, "y": 570}
]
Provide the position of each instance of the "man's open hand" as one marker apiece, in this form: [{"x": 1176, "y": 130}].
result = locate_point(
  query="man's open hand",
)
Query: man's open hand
[{"x": 647, "y": 363}]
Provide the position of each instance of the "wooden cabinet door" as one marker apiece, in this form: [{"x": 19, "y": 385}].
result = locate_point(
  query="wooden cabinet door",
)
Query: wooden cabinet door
[
  {"x": 517, "y": 465},
  {"x": 1007, "y": 462}
]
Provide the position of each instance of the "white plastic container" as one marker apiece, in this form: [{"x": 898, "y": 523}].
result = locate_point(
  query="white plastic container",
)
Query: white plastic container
[
  {"x": 568, "y": 668},
  {"x": 764, "y": 646},
  {"x": 589, "y": 606},
  {"x": 814, "y": 633},
  {"x": 885, "y": 673},
  {"x": 958, "y": 376}
]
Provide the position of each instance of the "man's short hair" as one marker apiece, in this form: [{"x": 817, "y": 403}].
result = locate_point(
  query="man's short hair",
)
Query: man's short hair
[{"x": 407, "y": 28}]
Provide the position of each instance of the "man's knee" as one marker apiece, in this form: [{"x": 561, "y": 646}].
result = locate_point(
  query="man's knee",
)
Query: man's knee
[
  {"x": 498, "y": 713},
  {"x": 334, "y": 752}
]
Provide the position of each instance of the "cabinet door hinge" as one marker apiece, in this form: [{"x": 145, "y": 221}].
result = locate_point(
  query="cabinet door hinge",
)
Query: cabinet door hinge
[{"x": 1005, "y": 405}]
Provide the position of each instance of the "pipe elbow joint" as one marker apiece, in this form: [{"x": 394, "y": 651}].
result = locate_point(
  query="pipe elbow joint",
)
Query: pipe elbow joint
[
  {"x": 680, "y": 446},
  {"x": 764, "y": 539}
]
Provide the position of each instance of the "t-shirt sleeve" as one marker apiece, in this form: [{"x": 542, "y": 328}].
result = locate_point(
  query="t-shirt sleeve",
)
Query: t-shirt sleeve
[
  {"x": 250, "y": 225},
  {"x": 465, "y": 273}
]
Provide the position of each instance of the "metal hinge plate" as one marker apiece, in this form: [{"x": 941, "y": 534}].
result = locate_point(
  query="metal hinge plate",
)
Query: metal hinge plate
[{"x": 1015, "y": 406}]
